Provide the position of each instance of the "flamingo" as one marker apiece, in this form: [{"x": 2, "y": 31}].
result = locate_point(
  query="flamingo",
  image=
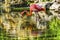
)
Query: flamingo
[{"x": 34, "y": 8}]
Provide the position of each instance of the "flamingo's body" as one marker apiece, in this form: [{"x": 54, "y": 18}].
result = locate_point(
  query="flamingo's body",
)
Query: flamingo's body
[{"x": 36, "y": 8}]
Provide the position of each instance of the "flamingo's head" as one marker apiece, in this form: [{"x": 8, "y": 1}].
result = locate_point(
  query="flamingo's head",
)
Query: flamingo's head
[{"x": 24, "y": 13}]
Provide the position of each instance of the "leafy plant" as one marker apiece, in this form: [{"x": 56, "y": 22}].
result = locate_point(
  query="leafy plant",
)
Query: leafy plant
[{"x": 54, "y": 25}]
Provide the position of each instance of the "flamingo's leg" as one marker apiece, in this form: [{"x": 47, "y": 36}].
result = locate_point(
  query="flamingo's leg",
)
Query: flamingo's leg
[{"x": 37, "y": 20}]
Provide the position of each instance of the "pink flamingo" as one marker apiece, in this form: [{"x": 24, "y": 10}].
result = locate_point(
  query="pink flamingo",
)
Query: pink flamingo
[
  {"x": 33, "y": 8},
  {"x": 36, "y": 8}
]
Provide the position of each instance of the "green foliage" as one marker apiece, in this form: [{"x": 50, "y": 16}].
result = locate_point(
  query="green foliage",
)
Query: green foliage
[
  {"x": 54, "y": 25},
  {"x": 20, "y": 9}
]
